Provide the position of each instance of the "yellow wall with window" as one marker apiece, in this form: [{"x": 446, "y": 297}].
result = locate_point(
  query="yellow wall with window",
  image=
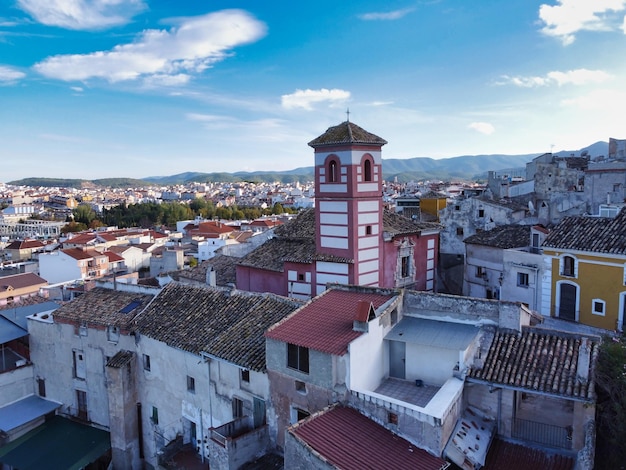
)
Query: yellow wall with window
[{"x": 597, "y": 277}]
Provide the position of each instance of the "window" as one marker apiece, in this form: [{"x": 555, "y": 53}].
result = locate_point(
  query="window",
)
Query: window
[
  {"x": 481, "y": 271},
  {"x": 459, "y": 230},
  {"x": 298, "y": 414},
  {"x": 457, "y": 208},
  {"x": 237, "y": 408},
  {"x": 616, "y": 187},
  {"x": 155, "y": 415},
  {"x": 146, "y": 362},
  {"x": 522, "y": 279},
  {"x": 191, "y": 384},
  {"x": 332, "y": 171},
  {"x": 298, "y": 358},
  {"x": 245, "y": 375},
  {"x": 481, "y": 212},
  {"x": 405, "y": 270},
  {"x": 41, "y": 387},
  {"x": 78, "y": 361},
  {"x": 300, "y": 387},
  {"x": 368, "y": 230},
  {"x": 568, "y": 266},
  {"x": 113, "y": 333},
  {"x": 300, "y": 277},
  {"x": 598, "y": 306},
  {"x": 367, "y": 170},
  {"x": 392, "y": 418}
]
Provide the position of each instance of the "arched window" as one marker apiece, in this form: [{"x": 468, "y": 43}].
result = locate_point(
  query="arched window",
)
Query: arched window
[
  {"x": 568, "y": 266},
  {"x": 367, "y": 170},
  {"x": 332, "y": 171}
]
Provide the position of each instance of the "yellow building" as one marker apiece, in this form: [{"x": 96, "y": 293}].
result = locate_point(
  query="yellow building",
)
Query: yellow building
[{"x": 586, "y": 272}]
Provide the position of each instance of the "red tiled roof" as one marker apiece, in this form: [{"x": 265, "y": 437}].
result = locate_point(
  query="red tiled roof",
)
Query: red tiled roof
[
  {"x": 325, "y": 324},
  {"x": 348, "y": 440},
  {"x": 21, "y": 281},
  {"x": 77, "y": 253},
  {"x": 113, "y": 256},
  {"x": 82, "y": 238},
  {"x": 24, "y": 245},
  {"x": 517, "y": 457}
]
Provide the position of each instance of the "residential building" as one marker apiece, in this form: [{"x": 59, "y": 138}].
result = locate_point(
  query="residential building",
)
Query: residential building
[
  {"x": 18, "y": 286},
  {"x": 21, "y": 250},
  {"x": 586, "y": 259},
  {"x": 73, "y": 264}
]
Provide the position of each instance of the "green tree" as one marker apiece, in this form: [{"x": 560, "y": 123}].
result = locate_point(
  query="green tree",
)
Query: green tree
[
  {"x": 73, "y": 227},
  {"x": 278, "y": 209},
  {"x": 611, "y": 404},
  {"x": 84, "y": 214}
]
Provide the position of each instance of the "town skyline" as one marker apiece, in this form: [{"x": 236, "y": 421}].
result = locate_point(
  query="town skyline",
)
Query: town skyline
[{"x": 140, "y": 88}]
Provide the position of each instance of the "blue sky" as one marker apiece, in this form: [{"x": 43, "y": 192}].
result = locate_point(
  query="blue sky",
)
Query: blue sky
[{"x": 135, "y": 88}]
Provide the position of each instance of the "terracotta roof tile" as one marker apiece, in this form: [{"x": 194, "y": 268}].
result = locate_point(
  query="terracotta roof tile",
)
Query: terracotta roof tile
[
  {"x": 104, "y": 307},
  {"x": 295, "y": 241},
  {"x": 595, "y": 234},
  {"x": 224, "y": 266},
  {"x": 540, "y": 361},
  {"x": 347, "y": 439},
  {"x": 326, "y": 323},
  {"x": 21, "y": 281},
  {"x": 120, "y": 359},
  {"x": 347, "y": 133},
  {"x": 504, "y": 236},
  {"x": 225, "y": 324}
]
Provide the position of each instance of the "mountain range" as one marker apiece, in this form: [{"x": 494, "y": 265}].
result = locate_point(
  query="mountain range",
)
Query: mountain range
[{"x": 467, "y": 167}]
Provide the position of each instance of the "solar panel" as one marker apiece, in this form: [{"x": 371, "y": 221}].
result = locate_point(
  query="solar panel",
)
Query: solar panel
[{"x": 131, "y": 306}]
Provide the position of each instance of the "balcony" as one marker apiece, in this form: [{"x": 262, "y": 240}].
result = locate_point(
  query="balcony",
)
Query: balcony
[
  {"x": 236, "y": 442},
  {"x": 541, "y": 433}
]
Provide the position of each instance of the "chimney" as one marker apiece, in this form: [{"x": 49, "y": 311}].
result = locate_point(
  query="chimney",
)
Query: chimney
[
  {"x": 211, "y": 279},
  {"x": 584, "y": 360}
]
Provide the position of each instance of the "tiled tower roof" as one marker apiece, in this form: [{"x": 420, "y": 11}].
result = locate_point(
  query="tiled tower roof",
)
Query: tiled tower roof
[{"x": 347, "y": 133}]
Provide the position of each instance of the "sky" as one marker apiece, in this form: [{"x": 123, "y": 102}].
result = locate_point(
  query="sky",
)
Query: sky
[{"x": 136, "y": 88}]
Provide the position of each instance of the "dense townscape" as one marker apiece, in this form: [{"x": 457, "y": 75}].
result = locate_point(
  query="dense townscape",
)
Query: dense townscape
[{"x": 353, "y": 323}]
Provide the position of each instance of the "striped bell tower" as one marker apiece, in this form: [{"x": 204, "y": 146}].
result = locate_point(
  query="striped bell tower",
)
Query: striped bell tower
[{"x": 348, "y": 206}]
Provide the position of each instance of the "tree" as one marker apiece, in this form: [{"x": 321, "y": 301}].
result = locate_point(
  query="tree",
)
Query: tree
[
  {"x": 84, "y": 214},
  {"x": 278, "y": 209},
  {"x": 73, "y": 227},
  {"x": 611, "y": 405}
]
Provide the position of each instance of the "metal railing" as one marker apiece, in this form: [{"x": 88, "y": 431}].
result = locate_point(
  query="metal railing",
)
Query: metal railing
[{"x": 541, "y": 433}]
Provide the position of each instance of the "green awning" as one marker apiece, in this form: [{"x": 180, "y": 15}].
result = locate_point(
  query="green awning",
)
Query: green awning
[{"x": 58, "y": 444}]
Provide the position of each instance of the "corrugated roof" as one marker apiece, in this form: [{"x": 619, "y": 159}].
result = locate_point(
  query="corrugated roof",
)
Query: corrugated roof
[
  {"x": 25, "y": 410},
  {"x": 512, "y": 456},
  {"x": 541, "y": 361},
  {"x": 347, "y": 133},
  {"x": 433, "y": 333},
  {"x": 326, "y": 323},
  {"x": 348, "y": 440},
  {"x": 225, "y": 324}
]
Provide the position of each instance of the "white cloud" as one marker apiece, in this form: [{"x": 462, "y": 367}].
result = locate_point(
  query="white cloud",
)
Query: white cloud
[
  {"x": 389, "y": 15},
  {"x": 602, "y": 101},
  {"x": 9, "y": 75},
  {"x": 167, "y": 80},
  {"x": 482, "y": 127},
  {"x": 82, "y": 14},
  {"x": 77, "y": 89},
  {"x": 573, "y": 77},
  {"x": 568, "y": 17},
  {"x": 159, "y": 55},
  {"x": 305, "y": 98}
]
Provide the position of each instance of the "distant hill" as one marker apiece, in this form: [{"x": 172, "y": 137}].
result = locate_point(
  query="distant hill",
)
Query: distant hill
[{"x": 467, "y": 167}]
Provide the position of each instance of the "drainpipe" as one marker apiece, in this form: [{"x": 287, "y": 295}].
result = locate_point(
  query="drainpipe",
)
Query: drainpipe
[{"x": 207, "y": 359}]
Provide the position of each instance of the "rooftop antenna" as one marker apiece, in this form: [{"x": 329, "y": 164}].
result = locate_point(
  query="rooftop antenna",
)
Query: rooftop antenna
[{"x": 348, "y": 114}]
